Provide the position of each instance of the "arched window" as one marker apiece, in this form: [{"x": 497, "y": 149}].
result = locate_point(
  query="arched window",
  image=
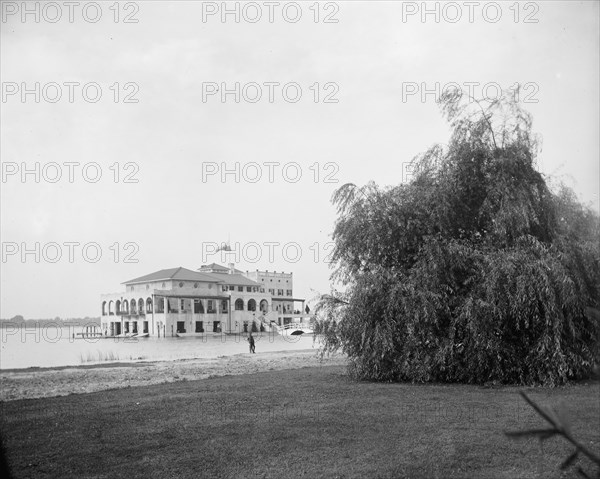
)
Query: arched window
[
  {"x": 264, "y": 306},
  {"x": 251, "y": 305},
  {"x": 239, "y": 304},
  {"x": 149, "y": 305},
  {"x": 141, "y": 305},
  {"x": 110, "y": 308},
  {"x": 103, "y": 308},
  {"x": 118, "y": 306},
  {"x": 132, "y": 306}
]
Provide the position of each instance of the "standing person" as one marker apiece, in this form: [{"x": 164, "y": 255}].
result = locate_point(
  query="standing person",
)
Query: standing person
[{"x": 252, "y": 345}]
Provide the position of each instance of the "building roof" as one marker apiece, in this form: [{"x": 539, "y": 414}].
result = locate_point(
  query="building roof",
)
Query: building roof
[
  {"x": 233, "y": 279},
  {"x": 217, "y": 268},
  {"x": 179, "y": 273},
  {"x": 179, "y": 295}
]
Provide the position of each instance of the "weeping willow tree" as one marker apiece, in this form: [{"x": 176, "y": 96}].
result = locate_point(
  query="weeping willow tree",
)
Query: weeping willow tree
[{"x": 475, "y": 271}]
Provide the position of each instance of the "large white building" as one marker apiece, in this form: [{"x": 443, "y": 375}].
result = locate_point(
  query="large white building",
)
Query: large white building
[{"x": 211, "y": 300}]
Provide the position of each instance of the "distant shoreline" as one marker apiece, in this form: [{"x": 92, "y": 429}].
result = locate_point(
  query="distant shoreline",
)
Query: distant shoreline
[{"x": 62, "y": 322}]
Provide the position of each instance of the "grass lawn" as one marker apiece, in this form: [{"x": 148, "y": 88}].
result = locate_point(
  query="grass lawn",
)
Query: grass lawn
[{"x": 310, "y": 422}]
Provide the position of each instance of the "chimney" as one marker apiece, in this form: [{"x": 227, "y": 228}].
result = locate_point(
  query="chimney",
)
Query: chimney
[{"x": 231, "y": 268}]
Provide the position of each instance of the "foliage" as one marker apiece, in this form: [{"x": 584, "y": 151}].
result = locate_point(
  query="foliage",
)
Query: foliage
[
  {"x": 560, "y": 427},
  {"x": 475, "y": 271}
]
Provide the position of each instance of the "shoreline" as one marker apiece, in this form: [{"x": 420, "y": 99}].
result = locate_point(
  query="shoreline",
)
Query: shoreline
[
  {"x": 106, "y": 364},
  {"x": 39, "y": 382}
]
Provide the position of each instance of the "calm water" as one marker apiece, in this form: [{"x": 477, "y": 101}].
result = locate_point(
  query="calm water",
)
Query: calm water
[{"x": 50, "y": 345}]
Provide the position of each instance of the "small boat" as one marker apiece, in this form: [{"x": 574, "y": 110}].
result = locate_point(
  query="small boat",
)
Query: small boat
[{"x": 89, "y": 335}]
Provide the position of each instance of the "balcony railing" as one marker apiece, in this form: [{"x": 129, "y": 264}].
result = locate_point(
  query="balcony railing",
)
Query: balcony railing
[{"x": 186, "y": 312}]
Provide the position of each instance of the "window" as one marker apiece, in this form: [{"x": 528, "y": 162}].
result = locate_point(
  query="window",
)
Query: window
[
  {"x": 224, "y": 306},
  {"x": 251, "y": 305},
  {"x": 288, "y": 292},
  {"x": 272, "y": 292},
  {"x": 181, "y": 284},
  {"x": 225, "y": 288},
  {"x": 210, "y": 308},
  {"x": 198, "y": 307},
  {"x": 241, "y": 289},
  {"x": 182, "y": 305},
  {"x": 280, "y": 292},
  {"x": 199, "y": 326},
  {"x": 216, "y": 326},
  {"x": 195, "y": 285},
  {"x": 160, "y": 308},
  {"x": 171, "y": 306},
  {"x": 248, "y": 289},
  {"x": 239, "y": 304},
  {"x": 264, "y": 306}
]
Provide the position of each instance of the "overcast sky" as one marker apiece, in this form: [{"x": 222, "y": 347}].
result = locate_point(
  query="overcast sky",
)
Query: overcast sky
[{"x": 173, "y": 138}]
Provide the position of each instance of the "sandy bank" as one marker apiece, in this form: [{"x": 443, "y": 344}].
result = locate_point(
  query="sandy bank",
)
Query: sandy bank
[{"x": 36, "y": 383}]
